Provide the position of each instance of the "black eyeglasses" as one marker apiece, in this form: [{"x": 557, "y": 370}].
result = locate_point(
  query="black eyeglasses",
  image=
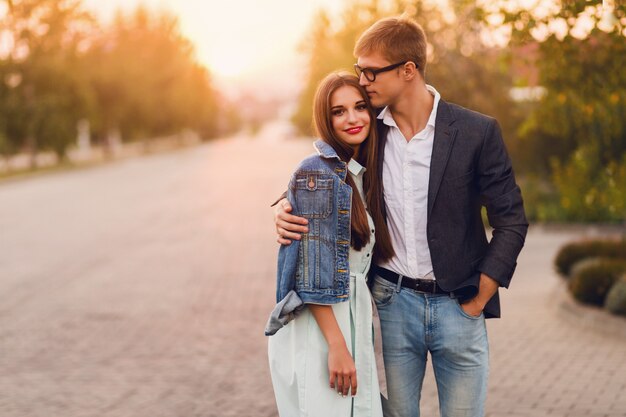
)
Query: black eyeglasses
[{"x": 370, "y": 73}]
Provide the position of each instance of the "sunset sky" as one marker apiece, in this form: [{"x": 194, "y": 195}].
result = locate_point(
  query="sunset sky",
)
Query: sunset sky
[
  {"x": 252, "y": 45},
  {"x": 242, "y": 42}
]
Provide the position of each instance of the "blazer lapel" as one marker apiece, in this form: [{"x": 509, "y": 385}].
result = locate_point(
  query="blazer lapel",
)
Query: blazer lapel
[
  {"x": 442, "y": 145},
  {"x": 382, "y": 140}
]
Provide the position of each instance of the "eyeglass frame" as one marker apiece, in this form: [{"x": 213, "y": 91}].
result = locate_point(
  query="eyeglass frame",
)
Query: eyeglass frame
[{"x": 376, "y": 71}]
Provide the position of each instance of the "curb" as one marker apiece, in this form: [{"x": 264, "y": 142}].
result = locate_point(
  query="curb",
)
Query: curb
[
  {"x": 583, "y": 231},
  {"x": 591, "y": 318}
]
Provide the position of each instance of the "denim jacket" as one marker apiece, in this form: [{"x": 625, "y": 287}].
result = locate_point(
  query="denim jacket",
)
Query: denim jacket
[{"x": 315, "y": 269}]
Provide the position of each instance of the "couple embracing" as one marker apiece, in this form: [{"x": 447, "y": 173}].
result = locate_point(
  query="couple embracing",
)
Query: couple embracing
[{"x": 384, "y": 254}]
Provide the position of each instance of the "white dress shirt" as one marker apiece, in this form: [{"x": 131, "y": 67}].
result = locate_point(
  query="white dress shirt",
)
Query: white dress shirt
[{"x": 406, "y": 170}]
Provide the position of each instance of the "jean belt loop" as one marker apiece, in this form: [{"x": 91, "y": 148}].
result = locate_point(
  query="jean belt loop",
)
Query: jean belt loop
[{"x": 399, "y": 284}]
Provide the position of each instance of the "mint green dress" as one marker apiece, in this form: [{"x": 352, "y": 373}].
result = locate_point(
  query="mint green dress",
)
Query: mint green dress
[{"x": 298, "y": 353}]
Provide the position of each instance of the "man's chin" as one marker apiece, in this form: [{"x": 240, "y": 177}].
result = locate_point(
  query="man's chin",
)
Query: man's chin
[{"x": 377, "y": 102}]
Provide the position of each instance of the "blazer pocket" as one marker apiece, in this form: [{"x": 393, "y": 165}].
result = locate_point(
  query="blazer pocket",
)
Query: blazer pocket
[
  {"x": 475, "y": 263},
  {"x": 462, "y": 180}
]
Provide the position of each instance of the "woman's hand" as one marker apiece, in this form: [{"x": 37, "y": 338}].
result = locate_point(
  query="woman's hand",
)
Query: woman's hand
[{"x": 341, "y": 369}]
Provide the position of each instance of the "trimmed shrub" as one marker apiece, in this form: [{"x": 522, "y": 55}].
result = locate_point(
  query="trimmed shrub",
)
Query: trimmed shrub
[
  {"x": 584, "y": 264},
  {"x": 573, "y": 252},
  {"x": 616, "y": 298},
  {"x": 591, "y": 284}
]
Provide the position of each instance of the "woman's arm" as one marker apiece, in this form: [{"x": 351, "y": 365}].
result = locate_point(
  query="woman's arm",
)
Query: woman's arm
[{"x": 340, "y": 363}]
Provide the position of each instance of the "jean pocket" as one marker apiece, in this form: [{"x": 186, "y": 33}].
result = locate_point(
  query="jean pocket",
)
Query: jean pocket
[
  {"x": 464, "y": 314},
  {"x": 383, "y": 292}
]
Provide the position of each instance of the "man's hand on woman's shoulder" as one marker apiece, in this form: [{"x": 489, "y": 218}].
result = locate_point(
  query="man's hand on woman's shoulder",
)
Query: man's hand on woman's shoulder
[{"x": 288, "y": 226}]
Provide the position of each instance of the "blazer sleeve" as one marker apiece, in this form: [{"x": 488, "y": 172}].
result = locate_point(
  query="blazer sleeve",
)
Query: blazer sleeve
[{"x": 502, "y": 197}]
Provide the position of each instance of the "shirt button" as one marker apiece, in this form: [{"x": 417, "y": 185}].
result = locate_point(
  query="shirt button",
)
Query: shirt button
[
  {"x": 372, "y": 230},
  {"x": 368, "y": 255}
]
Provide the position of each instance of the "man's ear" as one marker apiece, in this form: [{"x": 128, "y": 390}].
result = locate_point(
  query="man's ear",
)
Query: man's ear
[{"x": 409, "y": 71}]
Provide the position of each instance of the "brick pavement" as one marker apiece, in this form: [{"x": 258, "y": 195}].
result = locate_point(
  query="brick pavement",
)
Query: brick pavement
[{"x": 141, "y": 288}]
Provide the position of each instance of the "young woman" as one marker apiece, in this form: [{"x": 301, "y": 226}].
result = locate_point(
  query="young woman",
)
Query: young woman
[{"x": 322, "y": 358}]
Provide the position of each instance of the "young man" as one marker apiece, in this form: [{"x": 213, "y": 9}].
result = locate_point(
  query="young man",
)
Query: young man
[{"x": 441, "y": 164}]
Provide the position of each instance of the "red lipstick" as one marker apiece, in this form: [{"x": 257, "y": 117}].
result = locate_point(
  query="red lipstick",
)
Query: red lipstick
[{"x": 354, "y": 130}]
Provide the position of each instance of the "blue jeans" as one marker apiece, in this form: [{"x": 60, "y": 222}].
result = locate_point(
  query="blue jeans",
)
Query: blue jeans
[{"x": 413, "y": 324}]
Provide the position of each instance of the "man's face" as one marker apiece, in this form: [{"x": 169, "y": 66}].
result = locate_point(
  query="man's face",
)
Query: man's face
[{"x": 387, "y": 86}]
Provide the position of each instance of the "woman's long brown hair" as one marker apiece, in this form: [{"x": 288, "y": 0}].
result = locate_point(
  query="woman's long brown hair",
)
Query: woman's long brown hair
[{"x": 367, "y": 156}]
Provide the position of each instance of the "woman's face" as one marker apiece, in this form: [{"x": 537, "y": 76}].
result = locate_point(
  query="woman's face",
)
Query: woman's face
[{"x": 350, "y": 116}]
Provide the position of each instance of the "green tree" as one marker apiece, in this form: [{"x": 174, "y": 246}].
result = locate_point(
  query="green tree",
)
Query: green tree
[
  {"x": 581, "y": 55},
  {"x": 576, "y": 134},
  {"x": 43, "y": 96},
  {"x": 147, "y": 80},
  {"x": 461, "y": 67},
  {"x": 327, "y": 51}
]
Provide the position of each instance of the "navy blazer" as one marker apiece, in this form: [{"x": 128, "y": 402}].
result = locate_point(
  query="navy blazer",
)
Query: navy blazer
[{"x": 470, "y": 168}]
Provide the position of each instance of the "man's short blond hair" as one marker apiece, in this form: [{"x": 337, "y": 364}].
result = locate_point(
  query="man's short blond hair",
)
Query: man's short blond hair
[{"x": 397, "y": 39}]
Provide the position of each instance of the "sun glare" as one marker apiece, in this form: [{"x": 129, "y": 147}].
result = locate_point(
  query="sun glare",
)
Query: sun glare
[
  {"x": 228, "y": 63},
  {"x": 236, "y": 41}
]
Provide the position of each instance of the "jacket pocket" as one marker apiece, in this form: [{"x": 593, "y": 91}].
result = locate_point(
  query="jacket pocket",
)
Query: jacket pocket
[
  {"x": 314, "y": 194},
  {"x": 461, "y": 180}
]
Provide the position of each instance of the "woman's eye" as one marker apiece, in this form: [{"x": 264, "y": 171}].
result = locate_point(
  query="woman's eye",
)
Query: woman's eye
[
  {"x": 337, "y": 112},
  {"x": 361, "y": 107}
]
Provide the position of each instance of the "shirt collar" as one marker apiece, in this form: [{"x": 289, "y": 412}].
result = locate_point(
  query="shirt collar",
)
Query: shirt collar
[
  {"x": 355, "y": 168},
  {"x": 387, "y": 118}
]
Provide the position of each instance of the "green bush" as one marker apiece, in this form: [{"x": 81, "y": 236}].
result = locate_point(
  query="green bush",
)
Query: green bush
[
  {"x": 573, "y": 252},
  {"x": 591, "y": 188},
  {"x": 591, "y": 284},
  {"x": 584, "y": 264},
  {"x": 616, "y": 298}
]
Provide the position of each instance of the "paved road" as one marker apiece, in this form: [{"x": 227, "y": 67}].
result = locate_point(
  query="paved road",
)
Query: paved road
[{"x": 141, "y": 288}]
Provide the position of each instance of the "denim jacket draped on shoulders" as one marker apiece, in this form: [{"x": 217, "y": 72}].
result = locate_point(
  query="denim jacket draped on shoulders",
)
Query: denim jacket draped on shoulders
[{"x": 315, "y": 269}]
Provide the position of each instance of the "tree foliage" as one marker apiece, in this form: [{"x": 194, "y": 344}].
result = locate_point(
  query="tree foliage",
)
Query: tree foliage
[
  {"x": 569, "y": 147},
  {"x": 576, "y": 134},
  {"x": 41, "y": 97},
  {"x": 146, "y": 79},
  {"x": 137, "y": 76},
  {"x": 460, "y": 66}
]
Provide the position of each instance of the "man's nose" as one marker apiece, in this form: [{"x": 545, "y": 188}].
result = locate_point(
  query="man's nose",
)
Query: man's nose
[{"x": 363, "y": 80}]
